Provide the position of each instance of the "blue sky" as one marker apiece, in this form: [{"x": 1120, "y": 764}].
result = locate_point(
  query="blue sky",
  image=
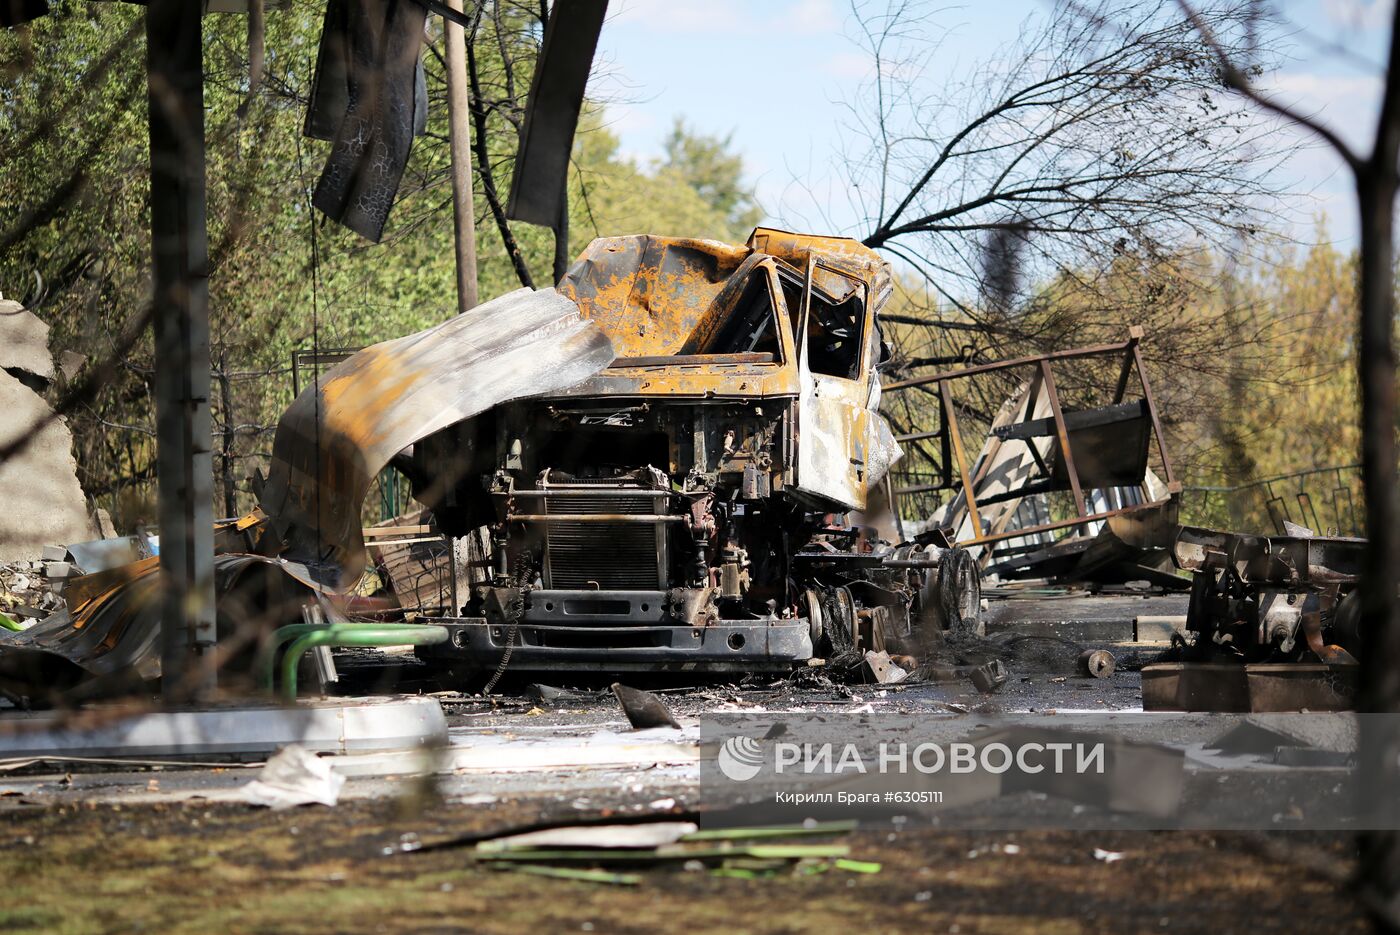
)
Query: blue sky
[{"x": 775, "y": 74}]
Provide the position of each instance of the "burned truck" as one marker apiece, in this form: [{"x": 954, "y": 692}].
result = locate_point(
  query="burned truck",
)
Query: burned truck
[
  {"x": 705, "y": 495},
  {"x": 690, "y": 506}
]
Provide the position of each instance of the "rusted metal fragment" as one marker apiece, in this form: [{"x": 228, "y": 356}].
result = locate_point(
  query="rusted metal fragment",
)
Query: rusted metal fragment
[
  {"x": 1096, "y": 663},
  {"x": 1266, "y": 599},
  {"x": 643, "y": 709},
  {"x": 989, "y": 676},
  {"x": 844, "y": 253},
  {"x": 1272, "y": 559},
  {"x": 881, "y": 669},
  {"x": 335, "y": 438}
]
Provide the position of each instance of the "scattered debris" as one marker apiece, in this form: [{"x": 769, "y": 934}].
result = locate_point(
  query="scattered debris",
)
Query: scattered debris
[
  {"x": 586, "y": 851},
  {"x": 27, "y": 594},
  {"x": 1096, "y": 663},
  {"x": 1107, "y": 857},
  {"x": 989, "y": 676},
  {"x": 294, "y": 776},
  {"x": 882, "y": 670},
  {"x": 643, "y": 709},
  {"x": 1124, "y": 513},
  {"x": 549, "y": 696}
]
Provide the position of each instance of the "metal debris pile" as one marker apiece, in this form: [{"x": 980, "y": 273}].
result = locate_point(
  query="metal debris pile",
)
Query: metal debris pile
[{"x": 1273, "y": 624}]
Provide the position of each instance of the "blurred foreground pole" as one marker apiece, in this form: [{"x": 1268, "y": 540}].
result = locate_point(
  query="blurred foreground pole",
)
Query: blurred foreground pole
[
  {"x": 180, "y": 293},
  {"x": 1377, "y": 182},
  {"x": 459, "y": 122}
]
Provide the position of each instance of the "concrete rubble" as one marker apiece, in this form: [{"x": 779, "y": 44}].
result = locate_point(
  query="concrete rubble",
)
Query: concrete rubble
[{"x": 44, "y": 502}]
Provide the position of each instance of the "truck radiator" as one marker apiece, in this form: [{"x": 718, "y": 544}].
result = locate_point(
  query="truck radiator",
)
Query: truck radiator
[{"x": 609, "y": 556}]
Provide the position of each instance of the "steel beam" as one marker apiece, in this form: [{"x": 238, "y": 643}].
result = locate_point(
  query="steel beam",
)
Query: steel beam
[{"x": 180, "y": 295}]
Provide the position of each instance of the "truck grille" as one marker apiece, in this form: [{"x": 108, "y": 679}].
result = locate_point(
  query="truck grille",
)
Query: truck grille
[{"x": 610, "y": 556}]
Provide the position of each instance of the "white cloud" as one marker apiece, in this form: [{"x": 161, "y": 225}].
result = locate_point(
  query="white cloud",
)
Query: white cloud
[
  {"x": 1359, "y": 14},
  {"x": 849, "y": 65},
  {"x": 814, "y": 16},
  {"x": 1345, "y": 103}
]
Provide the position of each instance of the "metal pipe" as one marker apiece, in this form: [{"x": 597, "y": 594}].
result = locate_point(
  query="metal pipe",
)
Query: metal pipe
[
  {"x": 911, "y": 563},
  {"x": 265, "y": 663},
  {"x": 402, "y": 635},
  {"x": 1095, "y": 351},
  {"x": 1061, "y": 524}
]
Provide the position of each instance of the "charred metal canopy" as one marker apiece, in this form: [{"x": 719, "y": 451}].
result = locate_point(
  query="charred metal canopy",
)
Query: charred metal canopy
[{"x": 339, "y": 434}]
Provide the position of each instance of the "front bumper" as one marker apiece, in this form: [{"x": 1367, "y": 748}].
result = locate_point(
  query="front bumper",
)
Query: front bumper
[{"x": 725, "y": 646}]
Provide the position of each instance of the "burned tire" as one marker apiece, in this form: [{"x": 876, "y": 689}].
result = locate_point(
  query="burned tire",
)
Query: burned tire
[
  {"x": 838, "y": 622},
  {"x": 816, "y": 627},
  {"x": 960, "y": 591},
  {"x": 1345, "y": 630},
  {"x": 951, "y": 598}
]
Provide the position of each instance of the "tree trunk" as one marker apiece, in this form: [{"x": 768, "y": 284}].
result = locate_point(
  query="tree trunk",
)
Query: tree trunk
[
  {"x": 226, "y": 446},
  {"x": 561, "y": 238}
]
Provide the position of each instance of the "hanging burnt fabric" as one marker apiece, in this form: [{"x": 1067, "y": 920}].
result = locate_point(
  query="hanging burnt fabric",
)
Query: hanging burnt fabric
[
  {"x": 369, "y": 96},
  {"x": 537, "y": 189}
]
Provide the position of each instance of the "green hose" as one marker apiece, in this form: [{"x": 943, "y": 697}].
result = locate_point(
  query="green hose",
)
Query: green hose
[
  {"x": 406, "y": 634},
  {"x": 7, "y": 623},
  {"x": 266, "y": 664}
]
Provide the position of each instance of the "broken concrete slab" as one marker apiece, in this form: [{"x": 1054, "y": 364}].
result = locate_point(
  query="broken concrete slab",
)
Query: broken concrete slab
[
  {"x": 24, "y": 342},
  {"x": 70, "y": 364},
  {"x": 39, "y": 486}
]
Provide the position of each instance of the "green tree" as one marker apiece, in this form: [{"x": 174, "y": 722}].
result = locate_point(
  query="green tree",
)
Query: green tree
[
  {"x": 74, "y": 217},
  {"x": 709, "y": 165},
  {"x": 612, "y": 195}
]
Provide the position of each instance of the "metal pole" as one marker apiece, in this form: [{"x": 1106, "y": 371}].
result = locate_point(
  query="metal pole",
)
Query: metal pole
[
  {"x": 180, "y": 293},
  {"x": 459, "y": 123}
]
